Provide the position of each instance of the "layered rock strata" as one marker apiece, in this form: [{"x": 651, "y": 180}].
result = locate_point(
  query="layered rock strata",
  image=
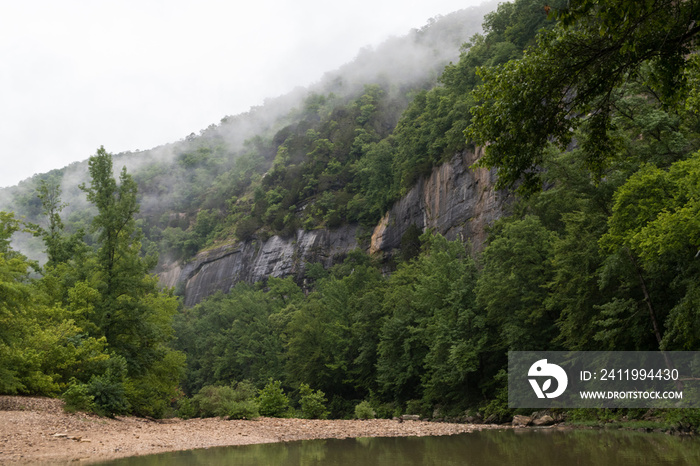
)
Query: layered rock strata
[{"x": 454, "y": 200}]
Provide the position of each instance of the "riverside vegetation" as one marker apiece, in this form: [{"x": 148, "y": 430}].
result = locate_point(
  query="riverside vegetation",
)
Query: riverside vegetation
[{"x": 588, "y": 111}]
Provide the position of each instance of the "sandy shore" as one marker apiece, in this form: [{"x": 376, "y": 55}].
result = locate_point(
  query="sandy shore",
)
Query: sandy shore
[{"x": 36, "y": 431}]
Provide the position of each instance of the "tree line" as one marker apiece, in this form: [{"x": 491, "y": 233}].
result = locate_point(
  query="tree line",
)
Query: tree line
[{"x": 590, "y": 119}]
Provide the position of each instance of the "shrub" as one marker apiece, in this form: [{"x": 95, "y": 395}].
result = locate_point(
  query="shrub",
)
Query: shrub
[
  {"x": 109, "y": 394},
  {"x": 313, "y": 403},
  {"x": 387, "y": 410},
  {"x": 78, "y": 398},
  {"x": 341, "y": 408},
  {"x": 211, "y": 400},
  {"x": 186, "y": 408},
  {"x": 498, "y": 406},
  {"x": 225, "y": 401},
  {"x": 272, "y": 401},
  {"x": 104, "y": 394},
  {"x": 243, "y": 404},
  {"x": 416, "y": 407},
  {"x": 247, "y": 409},
  {"x": 246, "y": 228},
  {"x": 364, "y": 410}
]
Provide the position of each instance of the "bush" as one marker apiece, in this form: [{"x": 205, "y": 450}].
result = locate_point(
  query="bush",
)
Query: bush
[
  {"x": 498, "y": 406},
  {"x": 104, "y": 394},
  {"x": 272, "y": 401},
  {"x": 243, "y": 404},
  {"x": 109, "y": 394},
  {"x": 417, "y": 407},
  {"x": 225, "y": 401},
  {"x": 387, "y": 410},
  {"x": 313, "y": 403},
  {"x": 247, "y": 409},
  {"x": 153, "y": 393},
  {"x": 246, "y": 228},
  {"x": 211, "y": 400},
  {"x": 78, "y": 398},
  {"x": 341, "y": 408},
  {"x": 364, "y": 410},
  {"x": 186, "y": 408}
]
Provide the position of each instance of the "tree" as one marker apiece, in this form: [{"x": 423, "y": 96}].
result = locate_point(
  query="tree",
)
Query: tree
[
  {"x": 129, "y": 310},
  {"x": 572, "y": 77},
  {"x": 654, "y": 224},
  {"x": 15, "y": 296},
  {"x": 233, "y": 337},
  {"x": 512, "y": 286},
  {"x": 432, "y": 336},
  {"x": 41, "y": 346}
]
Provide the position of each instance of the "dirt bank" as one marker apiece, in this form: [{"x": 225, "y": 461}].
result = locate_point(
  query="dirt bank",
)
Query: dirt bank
[{"x": 36, "y": 430}]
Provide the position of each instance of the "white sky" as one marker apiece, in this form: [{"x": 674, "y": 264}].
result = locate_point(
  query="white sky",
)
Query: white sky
[{"x": 77, "y": 74}]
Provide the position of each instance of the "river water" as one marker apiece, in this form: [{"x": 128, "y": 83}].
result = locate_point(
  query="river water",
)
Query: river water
[{"x": 521, "y": 447}]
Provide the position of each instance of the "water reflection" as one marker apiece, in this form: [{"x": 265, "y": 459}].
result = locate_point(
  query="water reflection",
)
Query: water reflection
[{"x": 522, "y": 447}]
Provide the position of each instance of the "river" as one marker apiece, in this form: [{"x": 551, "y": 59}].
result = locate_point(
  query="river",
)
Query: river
[{"x": 522, "y": 447}]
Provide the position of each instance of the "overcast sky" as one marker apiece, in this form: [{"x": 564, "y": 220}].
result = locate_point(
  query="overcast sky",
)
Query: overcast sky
[{"x": 130, "y": 75}]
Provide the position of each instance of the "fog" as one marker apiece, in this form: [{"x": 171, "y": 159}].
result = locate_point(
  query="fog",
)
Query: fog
[
  {"x": 411, "y": 60},
  {"x": 135, "y": 75}
]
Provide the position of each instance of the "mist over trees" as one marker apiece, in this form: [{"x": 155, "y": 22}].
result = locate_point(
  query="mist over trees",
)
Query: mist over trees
[
  {"x": 94, "y": 326},
  {"x": 205, "y": 171},
  {"x": 590, "y": 119}
]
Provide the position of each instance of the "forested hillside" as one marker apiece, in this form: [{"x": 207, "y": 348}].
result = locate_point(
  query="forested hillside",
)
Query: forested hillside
[
  {"x": 244, "y": 176},
  {"x": 588, "y": 111}
]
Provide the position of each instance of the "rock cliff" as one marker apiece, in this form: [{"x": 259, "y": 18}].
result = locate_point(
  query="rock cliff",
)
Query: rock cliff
[
  {"x": 252, "y": 261},
  {"x": 454, "y": 200}
]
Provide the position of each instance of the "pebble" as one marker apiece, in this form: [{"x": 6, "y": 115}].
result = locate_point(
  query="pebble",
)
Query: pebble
[{"x": 102, "y": 439}]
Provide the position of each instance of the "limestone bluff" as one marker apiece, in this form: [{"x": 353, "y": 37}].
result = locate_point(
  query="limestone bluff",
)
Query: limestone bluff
[{"x": 455, "y": 200}]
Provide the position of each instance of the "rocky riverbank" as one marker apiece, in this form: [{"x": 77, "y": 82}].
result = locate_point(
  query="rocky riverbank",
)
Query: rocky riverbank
[{"x": 37, "y": 430}]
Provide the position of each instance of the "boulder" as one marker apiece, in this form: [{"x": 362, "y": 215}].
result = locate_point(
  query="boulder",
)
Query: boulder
[
  {"x": 545, "y": 420},
  {"x": 519, "y": 420}
]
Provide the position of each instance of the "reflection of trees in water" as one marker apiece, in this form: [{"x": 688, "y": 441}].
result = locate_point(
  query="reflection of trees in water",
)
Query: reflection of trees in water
[
  {"x": 580, "y": 447},
  {"x": 541, "y": 447}
]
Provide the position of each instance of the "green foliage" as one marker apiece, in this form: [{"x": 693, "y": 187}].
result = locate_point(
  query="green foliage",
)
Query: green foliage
[
  {"x": 94, "y": 325},
  {"x": 186, "y": 408},
  {"x": 247, "y": 409},
  {"x": 104, "y": 394},
  {"x": 498, "y": 405},
  {"x": 430, "y": 341},
  {"x": 213, "y": 400},
  {"x": 41, "y": 345},
  {"x": 571, "y": 79},
  {"x": 224, "y": 401},
  {"x": 59, "y": 248},
  {"x": 599, "y": 107},
  {"x": 109, "y": 394},
  {"x": 684, "y": 419},
  {"x": 78, "y": 398},
  {"x": 363, "y": 410},
  {"x": 272, "y": 401},
  {"x": 333, "y": 332},
  {"x": 231, "y": 337},
  {"x": 416, "y": 407},
  {"x": 512, "y": 287},
  {"x": 313, "y": 403}
]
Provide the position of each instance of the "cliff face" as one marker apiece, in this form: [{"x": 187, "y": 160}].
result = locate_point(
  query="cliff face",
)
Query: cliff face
[
  {"x": 252, "y": 261},
  {"x": 454, "y": 200}
]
